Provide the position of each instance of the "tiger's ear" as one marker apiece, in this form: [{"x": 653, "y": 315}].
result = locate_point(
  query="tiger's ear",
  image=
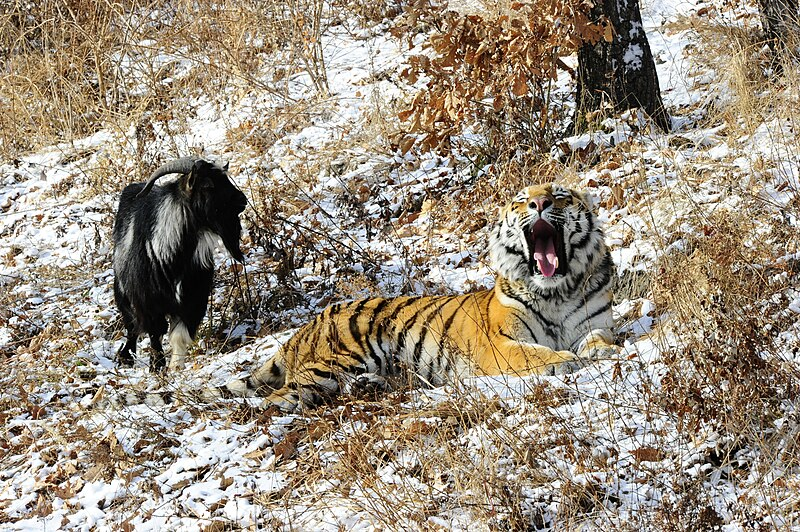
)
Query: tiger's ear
[{"x": 588, "y": 201}]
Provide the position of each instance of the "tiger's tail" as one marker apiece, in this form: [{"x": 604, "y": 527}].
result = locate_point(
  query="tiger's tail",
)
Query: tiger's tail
[
  {"x": 262, "y": 382},
  {"x": 267, "y": 378}
]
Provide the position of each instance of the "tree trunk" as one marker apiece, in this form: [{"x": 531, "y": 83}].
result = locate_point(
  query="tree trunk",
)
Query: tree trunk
[
  {"x": 779, "y": 21},
  {"x": 621, "y": 72}
]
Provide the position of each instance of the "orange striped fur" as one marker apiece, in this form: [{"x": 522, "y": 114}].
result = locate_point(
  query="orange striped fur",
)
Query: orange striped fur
[{"x": 549, "y": 311}]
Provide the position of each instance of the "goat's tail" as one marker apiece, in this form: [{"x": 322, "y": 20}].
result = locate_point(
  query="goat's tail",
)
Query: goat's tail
[{"x": 262, "y": 382}]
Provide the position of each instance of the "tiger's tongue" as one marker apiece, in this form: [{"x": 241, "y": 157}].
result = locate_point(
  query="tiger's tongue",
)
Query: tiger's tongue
[{"x": 545, "y": 254}]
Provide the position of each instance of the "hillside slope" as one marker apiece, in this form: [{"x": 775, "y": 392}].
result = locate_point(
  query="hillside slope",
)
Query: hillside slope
[{"x": 695, "y": 426}]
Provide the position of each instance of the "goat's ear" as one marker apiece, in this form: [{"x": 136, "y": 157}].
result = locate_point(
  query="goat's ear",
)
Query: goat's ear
[
  {"x": 225, "y": 168},
  {"x": 187, "y": 182},
  {"x": 196, "y": 179}
]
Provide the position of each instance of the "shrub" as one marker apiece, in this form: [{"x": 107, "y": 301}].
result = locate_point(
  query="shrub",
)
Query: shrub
[
  {"x": 497, "y": 71},
  {"x": 726, "y": 368},
  {"x": 73, "y": 67}
]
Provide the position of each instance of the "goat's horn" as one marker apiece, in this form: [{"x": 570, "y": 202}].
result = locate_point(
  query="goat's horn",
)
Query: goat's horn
[{"x": 178, "y": 166}]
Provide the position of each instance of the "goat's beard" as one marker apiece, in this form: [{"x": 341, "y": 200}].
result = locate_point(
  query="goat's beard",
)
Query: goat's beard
[{"x": 230, "y": 233}]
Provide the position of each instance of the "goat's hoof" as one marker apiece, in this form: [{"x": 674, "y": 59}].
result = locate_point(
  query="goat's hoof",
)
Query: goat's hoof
[{"x": 177, "y": 363}]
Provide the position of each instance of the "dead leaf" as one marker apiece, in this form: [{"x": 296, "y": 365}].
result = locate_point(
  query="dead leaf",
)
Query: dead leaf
[
  {"x": 181, "y": 484},
  {"x": 404, "y": 115},
  {"x": 94, "y": 472},
  {"x": 406, "y": 144},
  {"x": 609, "y": 165},
  {"x": 287, "y": 447},
  {"x": 608, "y": 33},
  {"x": 43, "y": 507},
  {"x": 647, "y": 454},
  {"x": 225, "y": 483},
  {"x": 520, "y": 85},
  {"x": 255, "y": 455},
  {"x": 36, "y": 411},
  {"x": 98, "y": 396},
  {"x": 68, "y": 490}
]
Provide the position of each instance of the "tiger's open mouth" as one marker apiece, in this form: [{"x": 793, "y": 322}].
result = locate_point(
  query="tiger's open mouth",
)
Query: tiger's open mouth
[{"x": 546, "y": 249}]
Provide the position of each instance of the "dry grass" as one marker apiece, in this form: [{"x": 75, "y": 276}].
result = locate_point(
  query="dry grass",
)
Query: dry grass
[
  {"x": 417, "y": 464},
  {"x": 721, "y": 282},
  {"x": 721, "y": 291},
  {"x": 721, "y": 278},
  {"x": 73, "y": 67}
]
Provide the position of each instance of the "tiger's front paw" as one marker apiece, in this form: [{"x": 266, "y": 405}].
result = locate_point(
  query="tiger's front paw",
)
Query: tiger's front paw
[
  {"x": 368, "y": 385},
  {"x": 598, "y": 345},
  {"x": 600, "y": 352},
  {"x": 285, "y": 400},
  {"x": 570, "y": 366},
  {"x": 567, "y": 363}
]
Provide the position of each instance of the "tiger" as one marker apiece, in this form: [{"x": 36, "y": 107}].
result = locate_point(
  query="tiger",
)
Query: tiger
[{"x": 548, "y": 312}]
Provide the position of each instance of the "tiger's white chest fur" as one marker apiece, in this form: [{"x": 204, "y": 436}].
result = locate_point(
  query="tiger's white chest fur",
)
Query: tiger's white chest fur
[{"x": 561, "y": 323}]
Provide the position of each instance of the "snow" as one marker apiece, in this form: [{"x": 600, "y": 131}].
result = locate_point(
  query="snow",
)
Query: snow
[
  {"x": 633, "y": 57},
  {"x": 475, "y": 455}
]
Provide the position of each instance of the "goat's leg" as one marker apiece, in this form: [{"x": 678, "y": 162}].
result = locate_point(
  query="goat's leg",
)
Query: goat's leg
[
  {"x": 157, "y": 360},
  {"x": 127, "y": 352},
  {"x": 195, "y": 288},
  {"x": 156, "y": 330},
  {"x": 180, "y": 339}
]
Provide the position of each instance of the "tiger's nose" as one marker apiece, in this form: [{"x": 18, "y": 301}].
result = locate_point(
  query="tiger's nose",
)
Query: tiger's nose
[{"x": 541, "y": 203}]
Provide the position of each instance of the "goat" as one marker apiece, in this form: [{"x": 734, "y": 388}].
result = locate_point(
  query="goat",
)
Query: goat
[{"x": 164, "y": 239}]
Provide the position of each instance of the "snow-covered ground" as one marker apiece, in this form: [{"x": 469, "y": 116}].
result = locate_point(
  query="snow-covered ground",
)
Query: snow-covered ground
[{"x": 598, "y": 448}]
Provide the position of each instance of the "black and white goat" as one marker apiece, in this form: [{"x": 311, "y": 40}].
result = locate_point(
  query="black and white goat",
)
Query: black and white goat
[{"x": 164, "y": 239}]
